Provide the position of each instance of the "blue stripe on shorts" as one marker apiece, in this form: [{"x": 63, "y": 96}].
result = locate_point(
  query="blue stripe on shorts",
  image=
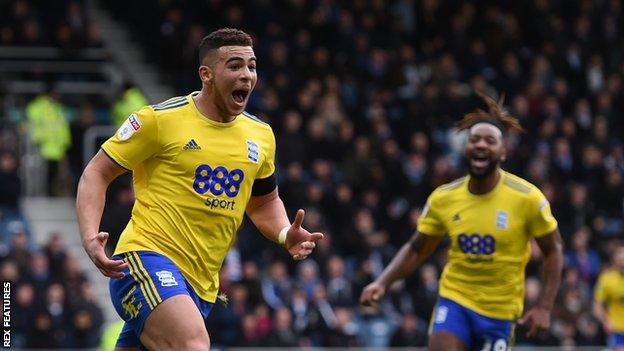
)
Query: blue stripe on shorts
[{"x": 150, "y": 279}]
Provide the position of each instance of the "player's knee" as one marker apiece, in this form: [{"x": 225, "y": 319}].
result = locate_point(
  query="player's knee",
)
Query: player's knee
[
  {"x": 443, "y": 341},
  {"x": 196, "y": 346},
  {"x": 191, "y": 339},
  {"x": 199, "y": 343},
  {"x": 196, "y": 340},
  {"x": 436, "y": 344}
]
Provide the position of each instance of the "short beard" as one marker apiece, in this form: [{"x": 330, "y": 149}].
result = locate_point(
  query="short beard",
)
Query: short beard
[
  {"x": 220, "y": 102},
  {"x": 488, "y": 171}
]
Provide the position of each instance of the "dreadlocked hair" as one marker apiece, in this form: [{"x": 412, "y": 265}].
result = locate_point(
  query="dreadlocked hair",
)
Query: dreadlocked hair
[{"x": 496, "y": 115}]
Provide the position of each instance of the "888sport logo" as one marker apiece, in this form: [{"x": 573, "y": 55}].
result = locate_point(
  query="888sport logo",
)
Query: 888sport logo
[
  {"x": 476, "y": 244},
  {"x": 218, "y": 180}
]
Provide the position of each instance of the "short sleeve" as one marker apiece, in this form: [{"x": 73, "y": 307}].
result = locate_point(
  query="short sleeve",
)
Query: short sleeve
[
  {"x": 540, "y": 219},
  {"x": 430, "y": 222},
  {"x": 268, "y": 166},
  {"x": 135, "y": 141},
  {"x": 600, "y": 291}
]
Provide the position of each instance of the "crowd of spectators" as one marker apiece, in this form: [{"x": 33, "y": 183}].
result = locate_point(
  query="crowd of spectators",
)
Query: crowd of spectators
[
  {"x": 54, "y": 305},
  {"x": 56, "y": 122},
  {"x": 62, "y": 24},
  {"x": 362, "y": 96}
]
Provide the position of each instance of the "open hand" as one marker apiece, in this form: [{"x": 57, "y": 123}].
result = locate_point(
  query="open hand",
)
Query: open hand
[
  {"x": 95, "y": 249},
  {"x": 300, "y": 242}
]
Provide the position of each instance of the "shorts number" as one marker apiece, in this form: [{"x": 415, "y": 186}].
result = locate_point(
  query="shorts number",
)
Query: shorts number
[
  {"x": 217, "y": 180},
  {"x": 477, "y": 244},
  {"x": 499, "y": 345}
]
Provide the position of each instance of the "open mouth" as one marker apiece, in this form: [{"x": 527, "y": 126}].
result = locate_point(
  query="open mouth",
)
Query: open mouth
[
  {"x": 239, "y": 95},
  {"x": 480, "y": 160}
]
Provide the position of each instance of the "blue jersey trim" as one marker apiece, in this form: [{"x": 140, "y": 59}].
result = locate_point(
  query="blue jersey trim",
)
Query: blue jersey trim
[{"x": 252, "y": 117}]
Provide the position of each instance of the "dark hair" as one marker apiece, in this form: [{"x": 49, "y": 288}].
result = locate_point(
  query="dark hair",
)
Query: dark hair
[
  {"x": 223, "y": 37},
  {"x": 495, "y": 115}
]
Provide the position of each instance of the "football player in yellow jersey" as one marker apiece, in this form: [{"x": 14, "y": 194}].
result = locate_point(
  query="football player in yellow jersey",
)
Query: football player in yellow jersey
[
  {"x": 490, "y": 216},
  {"x": 199, "y": 163},
  {"x": 609, "y": 299}
]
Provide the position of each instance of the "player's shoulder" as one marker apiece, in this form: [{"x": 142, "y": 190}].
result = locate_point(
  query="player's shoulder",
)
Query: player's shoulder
[
  {"x": 447, "y": 190},
  {"x": 451, "y": 186},
  {"x": 169, "y": 112},
  {"x": 519, "y": 185},
  {"x": 169, "y": 105},
  {"x": 255, "y": 120},
  {"x": 610, "y": 274},
  {"x": 256, "y": 125}
]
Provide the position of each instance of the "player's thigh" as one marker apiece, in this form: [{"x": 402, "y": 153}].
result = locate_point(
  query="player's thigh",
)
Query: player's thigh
[
  {"x": 175, "y": 324},
  {"x": 445, "y": 341},
  {"x": 450, "y": 327},
  {"x": 493, "y": 334}
]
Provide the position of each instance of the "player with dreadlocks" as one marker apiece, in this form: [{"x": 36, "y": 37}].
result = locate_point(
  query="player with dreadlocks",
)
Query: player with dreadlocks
[{"x": 490, "y": 216}]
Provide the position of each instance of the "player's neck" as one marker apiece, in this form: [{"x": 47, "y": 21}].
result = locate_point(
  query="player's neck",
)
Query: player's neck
[
  {"x": 480, "y": 186},
  {"x": 209, "y": 109}
]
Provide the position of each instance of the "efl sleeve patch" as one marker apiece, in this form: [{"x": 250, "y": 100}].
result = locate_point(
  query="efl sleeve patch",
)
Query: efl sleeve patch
[{"x": 129, "y": 127}]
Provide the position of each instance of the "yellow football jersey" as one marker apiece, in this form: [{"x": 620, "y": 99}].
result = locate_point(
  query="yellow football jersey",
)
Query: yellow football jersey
[
  {"x": 192, "y": 179},
  {"x": 610, "y": 291},
  {"x": 490, "y": 236}
]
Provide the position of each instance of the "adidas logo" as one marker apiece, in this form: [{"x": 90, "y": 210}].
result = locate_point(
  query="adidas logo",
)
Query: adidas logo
[{"x": 192, "y": 145}]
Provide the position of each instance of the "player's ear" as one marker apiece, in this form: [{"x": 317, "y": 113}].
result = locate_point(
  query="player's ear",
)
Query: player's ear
[{"x": 206, "y": 74}]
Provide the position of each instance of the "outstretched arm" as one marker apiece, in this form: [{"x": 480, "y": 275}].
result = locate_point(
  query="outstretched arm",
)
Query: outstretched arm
[
  {"x": 268, "y": 214},
  {"x": 90, "y": 199},
  {"x": 538, "y": 318},
  {"x": 601, "y": 314},
  {"x": 411, "y": 255}
]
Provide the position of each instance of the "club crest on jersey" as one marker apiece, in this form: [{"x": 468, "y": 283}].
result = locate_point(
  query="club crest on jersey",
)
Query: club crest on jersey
[
  {"x": 129, "y": 127},
  {"x": 501, "y": 219},
  {"x": 252, "y": 151},
  {"x": 166, "y": 278}
]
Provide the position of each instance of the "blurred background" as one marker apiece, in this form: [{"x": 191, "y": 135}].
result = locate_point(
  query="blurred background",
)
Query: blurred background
[{"x": 362, "y": 96}]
